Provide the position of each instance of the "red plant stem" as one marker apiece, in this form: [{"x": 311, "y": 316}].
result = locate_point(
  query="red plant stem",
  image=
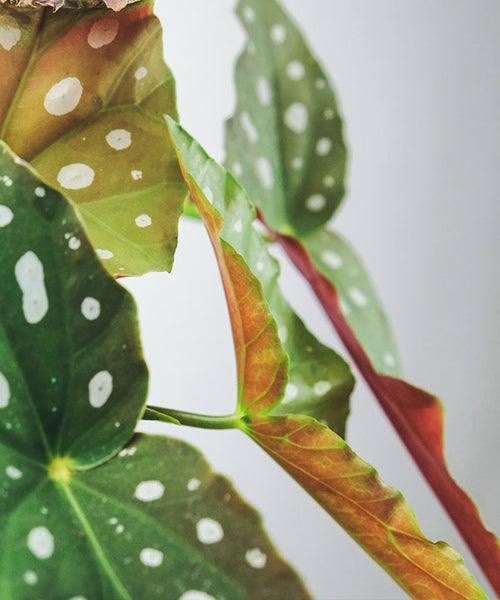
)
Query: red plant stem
[{"x": 393, "y": 395}]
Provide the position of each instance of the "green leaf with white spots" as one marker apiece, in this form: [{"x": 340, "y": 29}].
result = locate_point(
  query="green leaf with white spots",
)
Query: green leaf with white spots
[
  {"x": 72, "y": 377},
  {"x": 153, "y": 522},
  {"x": 320, "y": 382},
  {"x": 295, "y": 174},
  {"x": 83, "y": 98},
  {"x": 337, "y": 261},
  {"x": 284, "y": 142},
  {"x": 81, "y": 516}
]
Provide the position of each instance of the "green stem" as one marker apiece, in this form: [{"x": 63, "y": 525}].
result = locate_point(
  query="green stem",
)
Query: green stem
[{"x": 180, "y": 417}]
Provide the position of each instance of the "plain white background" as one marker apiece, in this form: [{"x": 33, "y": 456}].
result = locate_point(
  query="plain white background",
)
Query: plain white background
[{"x": 419, "y": 89}]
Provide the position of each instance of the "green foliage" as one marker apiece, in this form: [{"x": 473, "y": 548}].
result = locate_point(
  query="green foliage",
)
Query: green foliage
[
  {"x": 285, "y": 145},
  {"x": 285, "y": 142},
  {"x": 94, "y": 88},
  {"x": 117, "y": 522},
  {"x": 91, "y": 510},
  {"x": 320, "y": 381}
]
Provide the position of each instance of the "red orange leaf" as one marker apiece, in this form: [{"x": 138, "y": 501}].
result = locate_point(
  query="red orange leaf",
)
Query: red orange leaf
[{"x": 376, "y": 516}]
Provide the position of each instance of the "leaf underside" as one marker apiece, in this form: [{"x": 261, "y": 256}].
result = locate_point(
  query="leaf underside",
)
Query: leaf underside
[
  {"x": 375, "y": 515},
  {"x": 84, "y": 91},
  {"x": 81, "y": 515}
]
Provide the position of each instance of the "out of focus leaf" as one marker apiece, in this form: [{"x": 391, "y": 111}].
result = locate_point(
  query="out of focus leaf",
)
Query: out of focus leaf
[
  {"x": 337, "y": 261},
  {"x": 376, "y": 516},
  {"x": 320, "y": 381},
  {"x": 284, "y": 141},
  {"x": 296, "y": 175},
  {"x": 83, "y": 98},
  {"x": 81, "y": 516}
]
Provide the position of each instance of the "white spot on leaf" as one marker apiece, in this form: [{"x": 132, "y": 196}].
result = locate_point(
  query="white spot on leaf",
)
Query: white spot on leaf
[
  {"x": 63, "y": 97},
  {"x": 102, "y": 33},
  {"x": 195, "y": 595},
  {"x": 332, "y": 259},
  {"x": 100, "y": 388},
  {"x": 148, "y": 491},
  {"x": 41, "y": 542},
  {"x": 30, "y": 577},
  {"x": 40, "y": 192},
  {"x": 91, "y": 308},
  {"x": 74, "y": 243},
  {"x": 13, "y": 472},
  {"x": 141, "y": 73},
  {"x": 389, "y": 359},
  {"x": 265, "y": 173},
  {"x": 256, "y": 558},
  {"x": 76, "y": 176},
  {"x": 104, "y": 254},
  {"x": 328, "y": 181},
  {"x": 193, "y": 484},
  {"x": 4, "y": 391},
  {"x": 209, "y": 531},
  {"x": 136, "y": 174},
  {"x": 249, "y": 14},
  {"x": 295, "y": 70},
  {"x": 358, "y": 297},
  {"x": 264, "y": 91},
  {"x": 151, "y": 557},
  {"x": 31, "y": 279},
  {"x": 10, "y": 33},
  {"x": 143, "y": 221},
  {"x": 249, "y": 127},
  {"x": 322, "y": 387},
  {"x": 237, "y": 169},
  {"x": 119, "y": 139},
  {"x": 323, "y": 146},
  {"x": 278, "y": 33},
  {"x": 329, "y": 114},
  {"x": 297, "y": 117},
  {"x": 316, "y": 203},
  {"x": 6, "y": 216}
]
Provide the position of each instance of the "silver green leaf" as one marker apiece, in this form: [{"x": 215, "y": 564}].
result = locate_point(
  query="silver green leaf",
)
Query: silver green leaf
[
  {"x": 337, "y": 261},
  {"x": 284, "y": 142}
]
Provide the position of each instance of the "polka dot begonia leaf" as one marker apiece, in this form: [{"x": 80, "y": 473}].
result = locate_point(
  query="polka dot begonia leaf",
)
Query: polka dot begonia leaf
[
  {"x": 71, "y": 363},
  {"x": 284, "y": 142},
  {"x": 320, "y": 381},
  {"x": 336, "y": 259},
  {"x": 349, "y": 489},
  {"x": 83, "y": 515},
  {"x": 285, "y": 145},
  {"x": 83, "y": 98}
]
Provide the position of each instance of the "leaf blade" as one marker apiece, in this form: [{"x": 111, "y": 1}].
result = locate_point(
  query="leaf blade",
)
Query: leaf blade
[
  {"x": 83, "y": 325},
  {"x": 376, "y": 516},
  {"x": 318, "y": 458},
  {"x": 285, "y": 141},
  {"x": 94, "y": 88},
  {"x": 320, "y": 382}
]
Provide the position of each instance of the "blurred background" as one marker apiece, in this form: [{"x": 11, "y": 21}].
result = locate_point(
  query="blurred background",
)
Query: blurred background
[{"x": 419, "y": 87}]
